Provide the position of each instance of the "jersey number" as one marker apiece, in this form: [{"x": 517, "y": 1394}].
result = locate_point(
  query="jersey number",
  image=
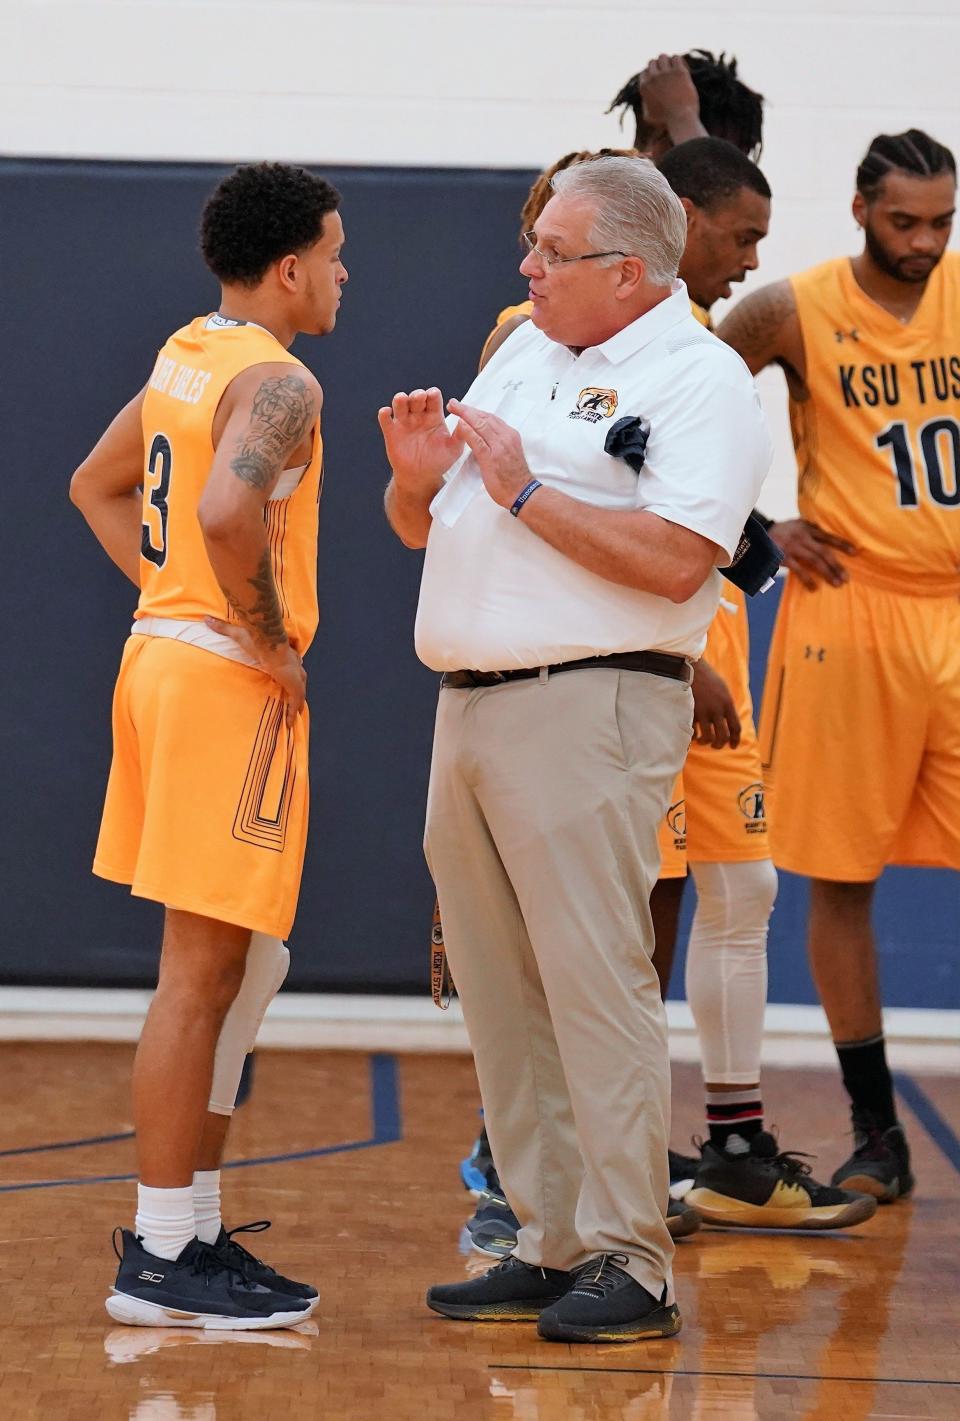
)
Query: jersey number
[
  {"x": 936, "y": 436},
  {"x": 153, "y": 536}
]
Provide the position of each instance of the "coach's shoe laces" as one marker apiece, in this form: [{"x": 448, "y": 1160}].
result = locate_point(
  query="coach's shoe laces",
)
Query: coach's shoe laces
[{"x": 601, "y": 1275}]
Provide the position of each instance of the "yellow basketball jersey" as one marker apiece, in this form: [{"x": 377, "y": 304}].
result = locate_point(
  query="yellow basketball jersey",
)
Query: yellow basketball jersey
[
  {"x": 192, "y": 372},
  {"x": 878, "y": 439}
]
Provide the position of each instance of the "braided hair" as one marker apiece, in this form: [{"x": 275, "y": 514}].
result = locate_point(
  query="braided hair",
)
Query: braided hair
[
  {"x": 728, "y": 108},
  {"x": 914, "y": 153}
]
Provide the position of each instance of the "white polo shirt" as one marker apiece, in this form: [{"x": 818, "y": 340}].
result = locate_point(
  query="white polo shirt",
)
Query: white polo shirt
[{"x": 493, "y": 595}]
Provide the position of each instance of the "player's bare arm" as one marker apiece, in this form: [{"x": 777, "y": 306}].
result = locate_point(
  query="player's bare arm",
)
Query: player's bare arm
[
  {"x": 106, "y": 489},
  {"x": 715, "y": 719},
  {"x": 264, "y": 425},
  {"x": 764, "y": 328},
  {"x": 420, "y": 450},
  {"x": 632, "y": 548},
  {"x": 670, "y": 98}
]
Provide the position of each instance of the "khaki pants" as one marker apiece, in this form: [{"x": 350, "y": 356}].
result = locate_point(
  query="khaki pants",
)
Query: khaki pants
[{"x": 545, "y": 800}]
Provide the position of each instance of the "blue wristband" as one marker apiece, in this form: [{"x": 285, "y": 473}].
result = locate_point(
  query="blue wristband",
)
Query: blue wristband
[{"x": 523, "y": 495}]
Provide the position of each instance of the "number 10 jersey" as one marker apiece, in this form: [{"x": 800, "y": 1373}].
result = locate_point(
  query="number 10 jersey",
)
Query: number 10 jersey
[{"x": 878, "y": 438}]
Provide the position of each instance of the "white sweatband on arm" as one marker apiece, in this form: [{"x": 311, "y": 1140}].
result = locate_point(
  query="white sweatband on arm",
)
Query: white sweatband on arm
[{"x": 268, "y": 962}]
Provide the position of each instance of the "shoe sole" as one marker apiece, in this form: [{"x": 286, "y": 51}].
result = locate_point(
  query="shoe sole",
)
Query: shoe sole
[
  {"x": 884, "y": 1193},
  {"x": 137, "y": 1312},
  {"x": 681, "y": 1225},
  {"x": 492, "y": 1312},
  {"x": 721, "y": 1210},
  {"x": 665, "y": 1322}
]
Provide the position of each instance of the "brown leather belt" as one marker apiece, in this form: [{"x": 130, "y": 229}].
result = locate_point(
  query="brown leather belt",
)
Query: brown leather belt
[{"x": 654, "y": 663}]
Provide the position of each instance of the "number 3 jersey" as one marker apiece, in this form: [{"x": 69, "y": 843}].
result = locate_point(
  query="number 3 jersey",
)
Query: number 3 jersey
[
  {"x": 192, "y": 372},
  {"x": 878, "y": 439}
]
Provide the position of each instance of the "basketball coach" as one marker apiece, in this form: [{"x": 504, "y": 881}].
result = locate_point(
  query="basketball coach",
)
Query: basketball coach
[{"x": 575, "y": 508}]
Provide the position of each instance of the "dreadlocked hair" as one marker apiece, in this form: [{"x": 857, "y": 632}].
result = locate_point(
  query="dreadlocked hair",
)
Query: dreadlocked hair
[
  {"x": 541, "y": 192},
  {"x": 728, "y": 107},
  {"x": 914, "y": 153}
]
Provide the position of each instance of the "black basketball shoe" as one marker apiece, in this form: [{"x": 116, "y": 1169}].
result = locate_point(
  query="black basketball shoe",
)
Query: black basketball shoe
[
  {"x": 880, "y": 1163},
  {"x": 476, "y": 1170},
  {"x": 493, "y": 1226},
  {"x": 606, "y": 1305},
  {"x": 510, "y": 1292},
  {"x": 683, "y": 1171},
  {"x": 198, "y": 1289},
  {"x": 766, "y": 1188},
  {"x": 254, "y": 1269}
]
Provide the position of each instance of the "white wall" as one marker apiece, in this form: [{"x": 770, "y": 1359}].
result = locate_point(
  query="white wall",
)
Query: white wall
[{"x": 490, "y": 83}]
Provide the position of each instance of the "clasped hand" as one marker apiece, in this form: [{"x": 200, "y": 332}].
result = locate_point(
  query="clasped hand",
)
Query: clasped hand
[{"x": 421, "y": 448}]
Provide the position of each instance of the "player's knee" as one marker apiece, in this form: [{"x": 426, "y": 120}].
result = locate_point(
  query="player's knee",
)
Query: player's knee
[{"x": 734, "y": 903}]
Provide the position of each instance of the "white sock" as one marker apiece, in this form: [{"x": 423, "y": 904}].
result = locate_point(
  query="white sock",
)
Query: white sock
[
  {"x": 206, "y": 1204},
  {"x": 165, "y": 1220}
]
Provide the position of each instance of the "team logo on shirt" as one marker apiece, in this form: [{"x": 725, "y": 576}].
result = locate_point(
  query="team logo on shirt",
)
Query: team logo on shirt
[
  {"x": 594, "y": 404},
  {"x": 750, "y": 803},
  {"x": 677, "y": 823}
]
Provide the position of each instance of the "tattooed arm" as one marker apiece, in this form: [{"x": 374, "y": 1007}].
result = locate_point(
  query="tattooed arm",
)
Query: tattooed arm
[
  {"x": 106, "y": 489},
  {"x": 264, "y": 424},
  {"x": 764, "y": 329}
]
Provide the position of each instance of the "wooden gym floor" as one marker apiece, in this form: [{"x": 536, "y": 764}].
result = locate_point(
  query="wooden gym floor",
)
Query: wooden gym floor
[{"x": 356, "y": 1164}]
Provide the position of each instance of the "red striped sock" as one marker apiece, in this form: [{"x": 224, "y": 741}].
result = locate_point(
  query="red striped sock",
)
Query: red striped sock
[{"x": 733, "y": 1118}]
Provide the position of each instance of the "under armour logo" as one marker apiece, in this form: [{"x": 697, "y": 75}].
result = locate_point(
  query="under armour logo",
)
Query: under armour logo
[
  {"x": 814, "y": 653},
  {"x": 151, "y": 1277},
  {"x": 512, "y": 384},
  {"x": 841, "y": 336}
]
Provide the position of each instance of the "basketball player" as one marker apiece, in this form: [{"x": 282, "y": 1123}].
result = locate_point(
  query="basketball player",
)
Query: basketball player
[
  {"x": 677, "y": 97},
  {"x": 860, "y": 724},
  {"x": 206, "y": 807},
  {"x": 742, "y": 1179}
]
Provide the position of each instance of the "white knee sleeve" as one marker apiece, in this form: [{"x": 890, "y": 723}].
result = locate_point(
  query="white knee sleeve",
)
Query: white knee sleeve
[
  {"x": 267, "y": 964},
  {"x": 726, "y": 976}
]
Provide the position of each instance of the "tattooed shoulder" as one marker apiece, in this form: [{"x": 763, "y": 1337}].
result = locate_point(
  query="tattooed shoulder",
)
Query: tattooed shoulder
[
  {"x": 283, "y": 409},
  {"x": 752, "y": 327}
]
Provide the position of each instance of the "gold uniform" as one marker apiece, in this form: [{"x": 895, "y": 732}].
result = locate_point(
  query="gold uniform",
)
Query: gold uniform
[
  {"x": 860, "y": 726},
  {"x": 206, "y": 806},
  {"x": 717, "y": 809}
]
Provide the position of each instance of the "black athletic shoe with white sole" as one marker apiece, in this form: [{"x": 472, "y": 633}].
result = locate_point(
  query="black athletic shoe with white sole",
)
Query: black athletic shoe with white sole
[
  {"x": 880, "y": 1163},
  {"x": 254, "y": 1269},
  {"x": 511, "y": 1292},
  {"x": 606, "y": 1305},
  {"x": 683, "y": 1171},
  {"x": 197, "y": 1289}
]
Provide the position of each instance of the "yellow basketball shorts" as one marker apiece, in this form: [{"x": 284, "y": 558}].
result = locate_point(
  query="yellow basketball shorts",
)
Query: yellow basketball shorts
[
  {"x": 206, "y": 805},
  {"x": 860, "y": 731},
  {"x": 717, "y": 809}
]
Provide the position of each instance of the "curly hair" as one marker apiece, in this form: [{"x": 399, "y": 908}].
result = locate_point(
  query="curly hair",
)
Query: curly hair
[
  {"x": 914, "y": 153},
  {"x": 728, "y": 107},
  {"x": 259, "y": 214},
  {"x": 541, "y": 191}
]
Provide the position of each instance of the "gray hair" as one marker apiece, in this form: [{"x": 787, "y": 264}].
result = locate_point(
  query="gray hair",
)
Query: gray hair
[{"x": 635, "y": 211}]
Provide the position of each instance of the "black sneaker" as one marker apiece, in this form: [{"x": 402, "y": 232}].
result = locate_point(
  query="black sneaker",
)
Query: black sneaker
[
  {"x": 255, "y": 1270},
  {"x": 606, "y": 1305},
  {"x": 198, "y": 1289},
  {"x": 681, "y": 1219},
  {"x": 683, "y": 1171},
  {"x": 494, "y": 1226},
  {"x": 880, "y": 1163},
  {"x": 766, "y": 1188},
  {"x": 511, "y": 1292}
]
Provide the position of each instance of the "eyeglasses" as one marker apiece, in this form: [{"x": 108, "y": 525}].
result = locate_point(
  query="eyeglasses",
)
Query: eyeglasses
[{"x": 551, "y": 258}]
